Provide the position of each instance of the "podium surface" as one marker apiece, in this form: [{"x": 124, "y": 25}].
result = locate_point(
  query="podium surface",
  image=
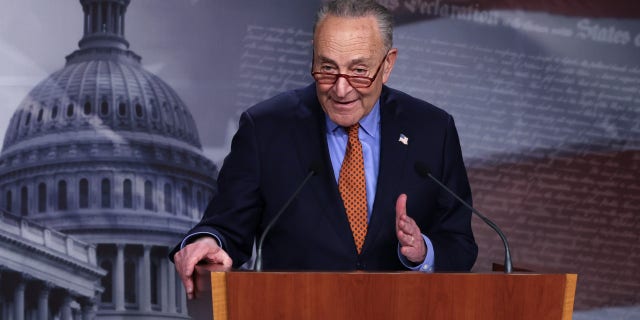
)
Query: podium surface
[{"x": 367, "y": 295}]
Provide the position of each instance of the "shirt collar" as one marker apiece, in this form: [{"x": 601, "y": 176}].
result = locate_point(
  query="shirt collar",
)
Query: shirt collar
[{"x": 369, "y": 123}]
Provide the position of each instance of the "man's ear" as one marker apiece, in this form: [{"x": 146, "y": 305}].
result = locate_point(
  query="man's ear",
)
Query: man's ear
[{"x": 389, "y": 62}]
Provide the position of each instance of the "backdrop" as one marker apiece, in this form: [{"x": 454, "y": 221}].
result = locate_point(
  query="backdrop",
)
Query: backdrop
[{"x": 545, "y": 96}]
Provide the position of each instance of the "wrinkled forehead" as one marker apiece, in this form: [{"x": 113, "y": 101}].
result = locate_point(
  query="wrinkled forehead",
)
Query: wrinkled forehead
[{"x": 357, "y": 37}]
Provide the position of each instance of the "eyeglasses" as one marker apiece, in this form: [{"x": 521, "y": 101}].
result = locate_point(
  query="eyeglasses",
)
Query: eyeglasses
[{"x": 354, "y": 81}]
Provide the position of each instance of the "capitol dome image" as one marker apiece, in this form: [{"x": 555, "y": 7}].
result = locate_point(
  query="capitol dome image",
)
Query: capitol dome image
[{"x": 101, "y": 173}]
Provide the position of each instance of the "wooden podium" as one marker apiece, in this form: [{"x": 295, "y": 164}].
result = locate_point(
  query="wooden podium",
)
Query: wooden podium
[{"x": 364, "y": 295}]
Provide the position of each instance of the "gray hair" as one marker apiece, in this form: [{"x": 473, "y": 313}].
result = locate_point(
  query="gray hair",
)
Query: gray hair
[{"x": 358, "y": 9}]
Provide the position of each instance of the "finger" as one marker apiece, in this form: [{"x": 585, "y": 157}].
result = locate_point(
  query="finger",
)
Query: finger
[
  {"x": 407, "y": 252},
  {"x": 412, "y": 254},
  {"x": 401, "y": 209},
  {"x": 184, "y": 272},
  {"x": 220, "y": 258},
  {"x": 227, "y": 262},
  {"x": 408, "y": 231},
  {"x": 406, "y": 239},
  {"x": 409, "y": 226},
  {"x": 401, "y": 205},
  {"x": 415, "y": 253}
]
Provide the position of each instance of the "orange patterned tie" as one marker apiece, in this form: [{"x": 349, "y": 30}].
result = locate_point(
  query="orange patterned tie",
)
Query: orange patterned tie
[{"x": 353, "y": 186}]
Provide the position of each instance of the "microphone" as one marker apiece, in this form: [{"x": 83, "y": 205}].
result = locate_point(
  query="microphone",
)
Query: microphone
[
  {"x": 424, "y": 171},
  {"x": 314, "y": 169}
]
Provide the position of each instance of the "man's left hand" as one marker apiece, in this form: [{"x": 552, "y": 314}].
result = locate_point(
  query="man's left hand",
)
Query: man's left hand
[{"x": 409, "y": 235}]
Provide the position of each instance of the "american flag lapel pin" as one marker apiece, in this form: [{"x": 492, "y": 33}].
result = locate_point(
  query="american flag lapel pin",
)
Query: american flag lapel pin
[{"x": 403, "y": 139}]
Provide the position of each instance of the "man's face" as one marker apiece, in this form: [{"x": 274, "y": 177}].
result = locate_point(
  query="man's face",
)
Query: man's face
[{"x": 351, "y": 46}]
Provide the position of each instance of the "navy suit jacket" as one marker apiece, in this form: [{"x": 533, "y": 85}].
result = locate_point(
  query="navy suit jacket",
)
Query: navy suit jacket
[{"x": 277, "y": 142}]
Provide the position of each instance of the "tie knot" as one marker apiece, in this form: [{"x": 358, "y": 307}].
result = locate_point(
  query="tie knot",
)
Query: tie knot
[{"x": 352, "y": 131}]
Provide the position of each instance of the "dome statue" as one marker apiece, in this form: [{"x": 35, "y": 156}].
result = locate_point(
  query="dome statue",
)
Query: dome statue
[{"x": 107, "y": 152}]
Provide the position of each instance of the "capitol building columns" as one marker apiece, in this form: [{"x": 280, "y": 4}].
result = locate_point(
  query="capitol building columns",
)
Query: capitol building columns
[
  {"x": 38, "y": 299},
  {"x": 171, "y": 297},
  {"x": 118, "y": 279},
  {"x": 18, "y": 299},
  {"x": 88, "y": 309},
  {"x": 65, "y": 310},
  {"x": 133, "y": 280},
  {"x": 43, "y": 300},
  {"x": 142, "y": 278},
  {"x": 146, "y": 279}
]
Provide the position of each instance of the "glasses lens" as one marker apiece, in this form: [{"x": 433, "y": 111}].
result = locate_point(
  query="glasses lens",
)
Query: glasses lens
[
  {"x": 358, "y": 82},
  {"x": 330, "y": 78},
  {"x": 325, "y": 78}
]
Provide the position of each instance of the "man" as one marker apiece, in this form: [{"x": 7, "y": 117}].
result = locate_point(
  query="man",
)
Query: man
[{"x": 369, "y": 207}]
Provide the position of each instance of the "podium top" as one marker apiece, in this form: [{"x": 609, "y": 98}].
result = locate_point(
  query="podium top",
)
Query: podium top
[{"x": 382, "y": 295}]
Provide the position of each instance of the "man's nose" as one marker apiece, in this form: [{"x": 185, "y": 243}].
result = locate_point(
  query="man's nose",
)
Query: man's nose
[{"x": 342, "y": 87}]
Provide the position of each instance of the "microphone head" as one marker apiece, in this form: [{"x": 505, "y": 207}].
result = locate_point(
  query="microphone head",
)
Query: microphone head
[
  {"x": 316, "y": 167},
  {"x": 422, "y": 169}
]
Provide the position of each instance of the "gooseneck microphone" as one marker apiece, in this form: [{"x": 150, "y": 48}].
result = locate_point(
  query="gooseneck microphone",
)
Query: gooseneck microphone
[
  {"x": 314, "y": 169},
  {"x": 424, "y": 171}
]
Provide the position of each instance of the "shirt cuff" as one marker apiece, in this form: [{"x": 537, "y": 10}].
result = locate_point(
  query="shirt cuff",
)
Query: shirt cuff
[
  {"x": 426, "y": 265},
  {"x": 192, "y": 237}
]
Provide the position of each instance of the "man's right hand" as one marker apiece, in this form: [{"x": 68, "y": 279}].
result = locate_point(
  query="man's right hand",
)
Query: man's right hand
[{"x": 204, "y": 249}]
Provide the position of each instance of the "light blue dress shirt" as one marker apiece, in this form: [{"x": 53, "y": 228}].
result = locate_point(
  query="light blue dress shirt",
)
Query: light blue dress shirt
[{"x": 369, "y": 135}]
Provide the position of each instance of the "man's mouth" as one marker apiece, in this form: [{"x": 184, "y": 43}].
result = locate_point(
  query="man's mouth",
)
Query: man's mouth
[{"x": 344, "y": 103}]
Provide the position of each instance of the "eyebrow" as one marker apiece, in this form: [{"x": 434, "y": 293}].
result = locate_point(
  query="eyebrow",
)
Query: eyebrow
[{"x": 353, "y": 62}]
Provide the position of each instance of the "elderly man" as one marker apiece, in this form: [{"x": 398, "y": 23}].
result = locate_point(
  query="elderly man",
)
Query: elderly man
[{"x": 369, "y": 206}]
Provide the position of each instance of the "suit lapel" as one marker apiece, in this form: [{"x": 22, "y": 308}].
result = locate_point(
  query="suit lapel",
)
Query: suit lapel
[
  {"x": 311, "y": 145},
  {"x": 393, "y": 158}
]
